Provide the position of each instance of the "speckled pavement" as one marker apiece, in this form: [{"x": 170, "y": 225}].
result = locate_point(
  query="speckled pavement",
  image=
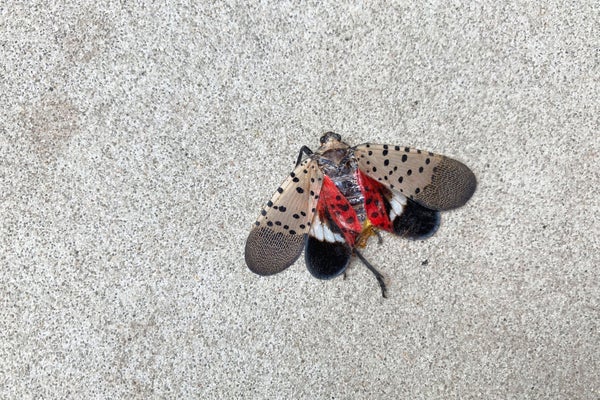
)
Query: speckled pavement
[{"x": 139, "y": 142}]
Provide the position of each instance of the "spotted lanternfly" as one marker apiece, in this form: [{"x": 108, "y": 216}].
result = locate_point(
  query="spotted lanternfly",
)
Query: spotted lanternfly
[{"x": 339, "y": 196}]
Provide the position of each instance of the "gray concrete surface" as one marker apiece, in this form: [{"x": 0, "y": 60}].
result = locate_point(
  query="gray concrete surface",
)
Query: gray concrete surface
[{"x": 138, "y": 143}]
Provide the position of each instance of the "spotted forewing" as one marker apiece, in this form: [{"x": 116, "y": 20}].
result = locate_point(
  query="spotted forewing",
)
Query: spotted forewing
[
  {"x": 278, "y": 236},
  {"x": 434, "y": 181}
]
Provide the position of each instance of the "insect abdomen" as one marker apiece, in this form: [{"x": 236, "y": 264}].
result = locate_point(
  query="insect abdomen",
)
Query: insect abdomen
[
  {"x": 348, "y": 186},
  {"x": 344, "y": 176}
]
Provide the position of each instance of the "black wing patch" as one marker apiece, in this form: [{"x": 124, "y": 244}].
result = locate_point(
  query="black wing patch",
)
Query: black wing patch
[
  {"x": 416, "y": 221},
  {"x": 326, "y": 260}
]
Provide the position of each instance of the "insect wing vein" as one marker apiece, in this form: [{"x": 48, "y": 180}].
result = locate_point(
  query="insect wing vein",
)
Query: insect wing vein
[
  {"x": 434, "y": 181},
  {"x": 277, "y": 238}
]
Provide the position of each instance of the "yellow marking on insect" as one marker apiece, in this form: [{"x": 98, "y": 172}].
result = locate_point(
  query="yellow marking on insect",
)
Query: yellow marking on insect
[{"x": 368, "y": 230}]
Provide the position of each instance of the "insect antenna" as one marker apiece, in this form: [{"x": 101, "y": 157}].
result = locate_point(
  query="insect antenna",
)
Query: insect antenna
[{"x": 377, "y": 274}]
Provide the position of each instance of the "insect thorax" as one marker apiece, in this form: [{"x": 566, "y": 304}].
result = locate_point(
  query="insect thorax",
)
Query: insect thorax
[{"x": 342, "y": 170}]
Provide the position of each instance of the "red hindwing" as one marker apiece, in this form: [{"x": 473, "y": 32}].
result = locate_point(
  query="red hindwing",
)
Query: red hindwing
[
  {"x": 374, "y": 201},
  {"x": 334, "y": 205}
]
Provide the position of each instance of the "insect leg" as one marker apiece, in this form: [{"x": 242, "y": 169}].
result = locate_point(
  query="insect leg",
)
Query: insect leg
[
  {"x": 304, "y": 150},
  {"x": 374, "y": 271}
]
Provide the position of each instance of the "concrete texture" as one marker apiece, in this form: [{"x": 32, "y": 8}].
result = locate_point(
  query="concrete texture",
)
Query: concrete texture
[{"x": 138, "y": 143}]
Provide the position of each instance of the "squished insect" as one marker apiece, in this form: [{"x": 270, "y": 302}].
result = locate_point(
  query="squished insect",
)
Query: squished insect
[{"x": 339, "y": 196}]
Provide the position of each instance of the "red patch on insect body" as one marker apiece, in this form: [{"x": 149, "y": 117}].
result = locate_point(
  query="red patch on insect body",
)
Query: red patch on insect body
[
  {"x": 339, "y": 210},
  {"x": 374, "y": 201}
]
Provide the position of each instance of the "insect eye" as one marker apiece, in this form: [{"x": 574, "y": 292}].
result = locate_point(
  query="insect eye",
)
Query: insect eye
[{"x": 330, "y": 135}]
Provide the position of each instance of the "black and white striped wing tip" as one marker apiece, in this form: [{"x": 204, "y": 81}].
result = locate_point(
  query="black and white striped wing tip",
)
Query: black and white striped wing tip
[
  {"x": 327, "y": 254},
  {"x": 411, "y": 220}
]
